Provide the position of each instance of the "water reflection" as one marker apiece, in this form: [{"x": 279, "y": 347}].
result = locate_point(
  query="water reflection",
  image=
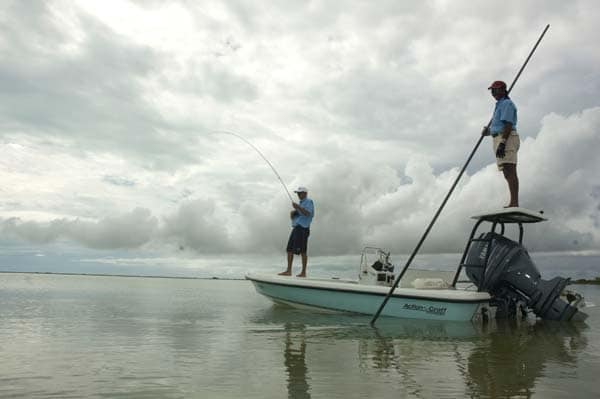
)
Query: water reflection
[
  {"x": 512, "y": 357},
  {"x": 295, "y": 362},
  {"x": 351, "y": 326},
  {"x": 423, "y": 358}
]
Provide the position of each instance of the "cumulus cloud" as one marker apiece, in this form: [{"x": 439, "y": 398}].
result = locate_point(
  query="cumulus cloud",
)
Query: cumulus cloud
[
  {"x": 109, "y": 120},
  {"x": 369, "y": 203},
  {"x": 129, "y": 230},
  {"x": 195, "y": 225}
]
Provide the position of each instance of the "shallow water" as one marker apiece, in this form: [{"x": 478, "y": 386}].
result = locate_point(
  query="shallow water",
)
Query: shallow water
[{"x": 84, "y": 336}]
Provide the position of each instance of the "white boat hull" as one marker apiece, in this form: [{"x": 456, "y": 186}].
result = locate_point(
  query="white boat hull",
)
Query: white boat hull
[{"x": 349, "y": 296}]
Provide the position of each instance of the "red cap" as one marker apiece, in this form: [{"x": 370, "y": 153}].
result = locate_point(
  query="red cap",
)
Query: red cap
[{"x": 498, "y": 85}]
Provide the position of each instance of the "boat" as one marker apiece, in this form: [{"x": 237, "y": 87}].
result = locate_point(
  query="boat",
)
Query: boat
[{"x": 495, "y": 278}]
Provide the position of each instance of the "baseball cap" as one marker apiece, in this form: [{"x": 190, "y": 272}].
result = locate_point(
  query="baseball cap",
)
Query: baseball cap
[
  {"x": 301, "y": 189},
  {"x": 498, "y": 84}
]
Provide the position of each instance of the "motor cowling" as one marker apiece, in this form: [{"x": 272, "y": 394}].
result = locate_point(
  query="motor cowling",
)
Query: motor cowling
[{"x": 510, "y": 276}]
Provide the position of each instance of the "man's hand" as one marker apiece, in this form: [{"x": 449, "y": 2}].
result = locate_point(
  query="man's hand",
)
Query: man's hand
[
  {"x": 485, "y": 131},
  {"x": 501, "y": 151},
  {"x": 299, "y": 210},
  {"x": 296, "y": 212}
]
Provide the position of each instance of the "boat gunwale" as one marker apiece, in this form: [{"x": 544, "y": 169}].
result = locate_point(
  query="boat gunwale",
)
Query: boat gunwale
[{"x": 484, "y": 297}]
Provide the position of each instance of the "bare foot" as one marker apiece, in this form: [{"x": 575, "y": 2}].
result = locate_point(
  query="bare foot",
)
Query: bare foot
[
  {"x": 301, "y": 275},
  {"x": 285, "y": 273},
  {"x": 511, "y": 206}
]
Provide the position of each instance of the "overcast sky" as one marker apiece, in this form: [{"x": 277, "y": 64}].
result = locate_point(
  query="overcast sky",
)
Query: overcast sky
[{"x": 110, "y": 113}]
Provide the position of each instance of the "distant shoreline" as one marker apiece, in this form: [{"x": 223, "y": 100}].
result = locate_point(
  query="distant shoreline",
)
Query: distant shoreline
[
  {"x": 595, "y": 281},
  {"x": 121, "y": 275},
  {"x": 581, "y": 281}
]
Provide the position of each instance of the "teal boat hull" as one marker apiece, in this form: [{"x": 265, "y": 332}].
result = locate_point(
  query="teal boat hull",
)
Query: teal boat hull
[{"x": 443, "y": 304}]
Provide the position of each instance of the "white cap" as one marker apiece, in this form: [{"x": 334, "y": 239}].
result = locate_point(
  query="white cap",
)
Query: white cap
[{"x": 301, "y": 189}]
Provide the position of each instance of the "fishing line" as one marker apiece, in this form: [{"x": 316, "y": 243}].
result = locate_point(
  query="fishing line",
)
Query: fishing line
[{"x": 261, "y": 155}]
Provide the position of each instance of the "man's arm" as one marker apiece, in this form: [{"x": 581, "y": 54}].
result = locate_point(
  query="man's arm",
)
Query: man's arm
[
  {"x": 508, "y": 117},
  {"x": 506, "y": 131},
  {"x": 303, "y": 211}
]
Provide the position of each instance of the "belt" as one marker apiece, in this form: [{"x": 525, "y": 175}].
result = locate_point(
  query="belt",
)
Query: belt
[{"x": 512, "y": 132}]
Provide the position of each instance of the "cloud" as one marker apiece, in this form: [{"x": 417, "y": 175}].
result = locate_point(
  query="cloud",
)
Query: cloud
[
  {"x": 372, "y": 204},
  {"x": 109, "y": 118},
  {"x": 129, "y": 230},
  {"x": 87, "y": 86},
  {"x": 195, "y": 225},
  {"x": 118, "y": 181}
]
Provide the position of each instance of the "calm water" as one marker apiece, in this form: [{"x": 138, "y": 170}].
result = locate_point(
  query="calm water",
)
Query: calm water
[{"x": 82, "y": 336}]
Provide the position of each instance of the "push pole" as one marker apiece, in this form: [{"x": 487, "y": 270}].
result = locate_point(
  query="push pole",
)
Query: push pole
[{"x": 414, "y": 253}]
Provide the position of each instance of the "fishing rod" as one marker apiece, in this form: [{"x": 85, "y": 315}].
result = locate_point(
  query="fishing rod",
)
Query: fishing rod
[
  {"x": 408, "y": 262},
  {"x": 261, "y": 155}
]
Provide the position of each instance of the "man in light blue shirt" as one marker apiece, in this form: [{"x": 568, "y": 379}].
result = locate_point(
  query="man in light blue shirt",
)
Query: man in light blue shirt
[
  {"x": 503, "y": 130},
  {"x": 301, "y": 216}
]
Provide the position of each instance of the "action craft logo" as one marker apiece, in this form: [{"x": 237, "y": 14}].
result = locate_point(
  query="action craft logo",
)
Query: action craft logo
[{"x": 427, "y": 309}]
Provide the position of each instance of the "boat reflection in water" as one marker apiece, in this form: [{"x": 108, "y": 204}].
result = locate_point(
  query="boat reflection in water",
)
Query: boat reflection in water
[
  {"x": 419, "y": 358},
  {"x": 510, "y": 359}
]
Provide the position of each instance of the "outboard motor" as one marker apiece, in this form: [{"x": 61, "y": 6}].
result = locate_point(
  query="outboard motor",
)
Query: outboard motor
[{"x": 503, "y": 268}]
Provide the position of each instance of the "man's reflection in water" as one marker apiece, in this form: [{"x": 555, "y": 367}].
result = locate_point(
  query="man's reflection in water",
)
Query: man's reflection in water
[{"x": 295, "y": 363}]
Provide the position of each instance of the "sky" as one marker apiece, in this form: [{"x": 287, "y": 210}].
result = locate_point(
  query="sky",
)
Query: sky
[{"x": 113, "y": 113}]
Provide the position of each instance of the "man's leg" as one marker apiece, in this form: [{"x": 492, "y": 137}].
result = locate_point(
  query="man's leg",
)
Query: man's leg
[
  {"x": 510, "y": 174},
  {"x": 304, "y": 262},
  {"x": 290, "y": 260}
]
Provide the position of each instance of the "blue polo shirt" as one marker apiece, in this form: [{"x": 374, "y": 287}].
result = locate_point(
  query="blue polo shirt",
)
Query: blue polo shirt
[
  {"x": 302, "y": 220},
  {"x": 505, "y": 111}
]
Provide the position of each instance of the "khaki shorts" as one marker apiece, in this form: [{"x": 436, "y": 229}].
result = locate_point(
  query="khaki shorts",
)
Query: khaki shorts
[{"x": 512, "y": 147}]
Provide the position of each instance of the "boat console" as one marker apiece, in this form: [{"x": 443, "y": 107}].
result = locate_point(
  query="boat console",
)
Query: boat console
[{"x": 375, "y": 267}]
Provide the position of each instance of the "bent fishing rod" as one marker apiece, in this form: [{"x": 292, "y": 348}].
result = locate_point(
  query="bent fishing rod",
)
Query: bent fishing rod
[
  {"x": 414, "y": 253},
  {"x": 261, "y": 155}
]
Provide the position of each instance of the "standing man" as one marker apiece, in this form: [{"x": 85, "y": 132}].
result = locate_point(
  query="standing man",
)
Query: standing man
[
  {"x": 506, "y": 140},
  {"x": 301, "y": 216}
]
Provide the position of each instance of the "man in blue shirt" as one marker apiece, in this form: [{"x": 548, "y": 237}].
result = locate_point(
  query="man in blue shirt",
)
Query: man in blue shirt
[
  {"x": 506, "y": 140},
  {"x": 301, "y": 216}
]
